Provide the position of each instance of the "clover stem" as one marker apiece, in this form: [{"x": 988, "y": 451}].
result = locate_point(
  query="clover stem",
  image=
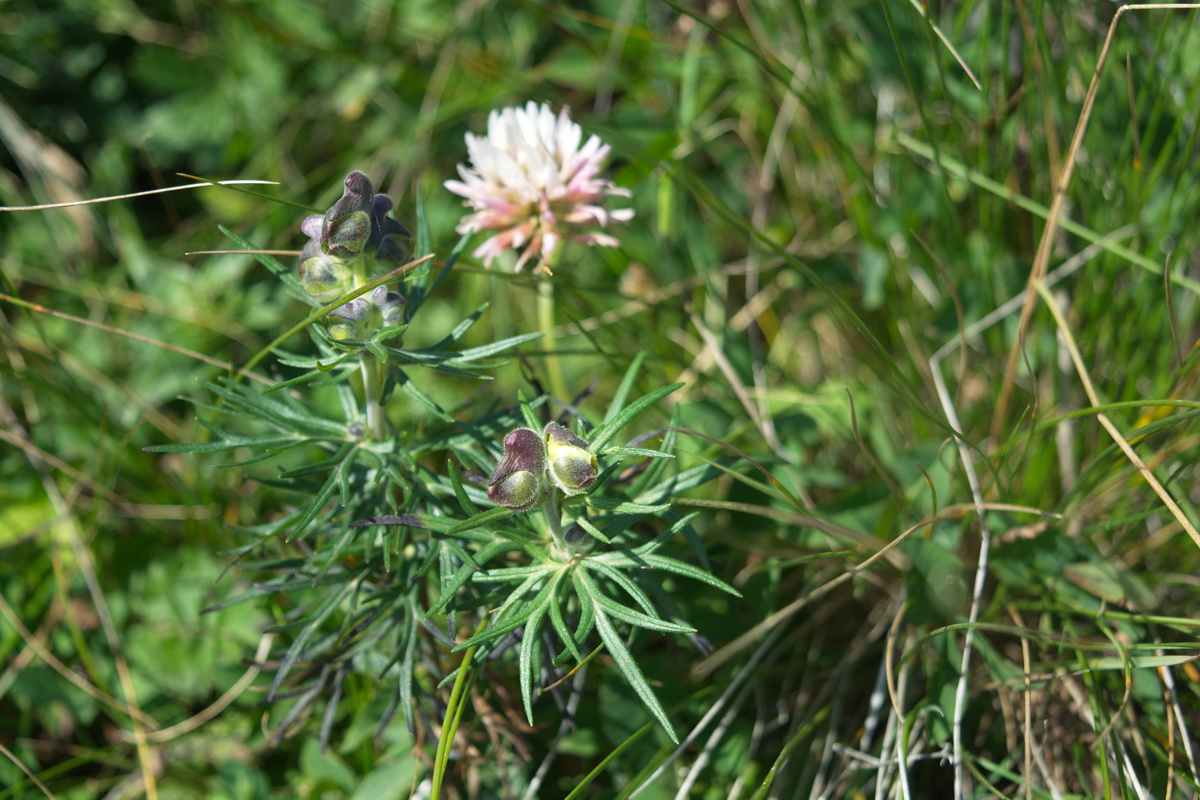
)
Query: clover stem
[{"x": 545, "y": 305}]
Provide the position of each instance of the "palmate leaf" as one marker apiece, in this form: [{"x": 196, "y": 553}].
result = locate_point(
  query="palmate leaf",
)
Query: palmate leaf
[{"x": 511, "y": 623}]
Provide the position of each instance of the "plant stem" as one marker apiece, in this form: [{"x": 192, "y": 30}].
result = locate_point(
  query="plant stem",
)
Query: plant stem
[
  {"x": 454, "y": 709},
  {"x": 545, "y": 305},
  {"x": 554, "y": 520},
  {"x": 372, "y": 379}
]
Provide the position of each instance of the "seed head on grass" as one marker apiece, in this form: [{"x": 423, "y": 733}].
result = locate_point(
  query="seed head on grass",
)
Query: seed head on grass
[{"x": 532, "y": 182}]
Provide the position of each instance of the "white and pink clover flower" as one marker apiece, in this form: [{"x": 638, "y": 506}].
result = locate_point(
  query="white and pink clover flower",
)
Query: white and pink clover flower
[{"x": 531, "y": 182}]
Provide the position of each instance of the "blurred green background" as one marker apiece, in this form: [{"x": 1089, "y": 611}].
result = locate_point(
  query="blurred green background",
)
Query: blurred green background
[{"x": 824, "y": 199}]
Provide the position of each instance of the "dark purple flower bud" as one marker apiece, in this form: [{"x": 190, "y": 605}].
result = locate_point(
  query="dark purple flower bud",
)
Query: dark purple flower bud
[
  {"x": 572, "y": 466},
  {"x": 389, "y": 239},
  {"x": 348, "y": 222},
  {"x": 517, "y": 481}
]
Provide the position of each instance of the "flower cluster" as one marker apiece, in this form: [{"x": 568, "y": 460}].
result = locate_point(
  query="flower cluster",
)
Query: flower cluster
[
  {"x": 349, "y": 246},
  {"x": 534, "y": 464},
  {"x": 532, "y": 181}
]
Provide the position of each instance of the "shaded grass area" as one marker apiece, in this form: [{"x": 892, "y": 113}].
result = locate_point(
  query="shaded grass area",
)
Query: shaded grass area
[{"x": 825, "y": 202}]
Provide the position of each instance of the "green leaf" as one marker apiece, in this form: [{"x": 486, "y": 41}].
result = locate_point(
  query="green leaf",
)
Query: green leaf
[
  {"x": 231, "y": 443},
  {"x": 624, "y": 506},
  {"x": 605, "y": 433},
  {"x": 512, "y": 623},
  {"x": 422, "y": 291},
  {"x": 483, "y": 351},
  {"x": 1132, "y": 662},
  {"x": 632, "y": 672},
  {"x": 480, "y": 519},
  {"x": 508, "y": 574},
  {"x": 531, "y": 648},
  {"x": 626, "y": 583},
  {"x": 689, "y": 571},
  {"x": 655, "y": 470},
  {"x": 311, "y": 624},
  {"x": 316, "y": 505},
  {"x": 595, "y": 532},
  {"x": 560, "y": 625},
  {"x": 643, "y": 452},
  {"x": 280, "y": 414},
  {"x": 627, "y": 614},
  {"x": 465, "y": 573},
  {"x": 531, "y": 420},
  {"x": 626, "y": 386},
  {"x": 415, "y": 392},
  {"x": 468, "y": 507}
]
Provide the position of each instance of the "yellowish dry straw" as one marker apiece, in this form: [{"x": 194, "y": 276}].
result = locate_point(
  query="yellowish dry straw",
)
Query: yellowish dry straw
[{"x": 164, "y": 190}]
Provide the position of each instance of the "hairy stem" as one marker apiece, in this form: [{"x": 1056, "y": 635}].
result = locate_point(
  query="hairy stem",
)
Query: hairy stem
[
  {"x": 553, "y": 513},
  {"x": 372, "y": 379}
]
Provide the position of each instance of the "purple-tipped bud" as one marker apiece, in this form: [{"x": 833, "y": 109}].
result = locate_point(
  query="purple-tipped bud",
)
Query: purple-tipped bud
[
  {"x": 389, "y": 239},
  {"x": 343, "y": 246},
  {"x": 517, "y": 480},
  {"x": 348, "y": 222},
  {"x": 572, "y": 466},
  {"x": 368, "y": 313}
]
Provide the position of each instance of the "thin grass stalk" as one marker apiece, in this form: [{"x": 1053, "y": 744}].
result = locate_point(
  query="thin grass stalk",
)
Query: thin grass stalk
[{"x": 545, "y": 313}]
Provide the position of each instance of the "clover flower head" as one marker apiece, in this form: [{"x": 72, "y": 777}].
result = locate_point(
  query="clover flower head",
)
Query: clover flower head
[{"x": 534, "y": 183}]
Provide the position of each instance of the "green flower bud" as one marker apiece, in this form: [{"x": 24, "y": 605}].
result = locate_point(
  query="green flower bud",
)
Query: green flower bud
[
  {"x": 368, "y": 313},
  {"x": 517, "y": 482},
  {"x": 323, "y": 277},
  {"x": 579, "y": 542},
  {"x": 572, "y": 466}
]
